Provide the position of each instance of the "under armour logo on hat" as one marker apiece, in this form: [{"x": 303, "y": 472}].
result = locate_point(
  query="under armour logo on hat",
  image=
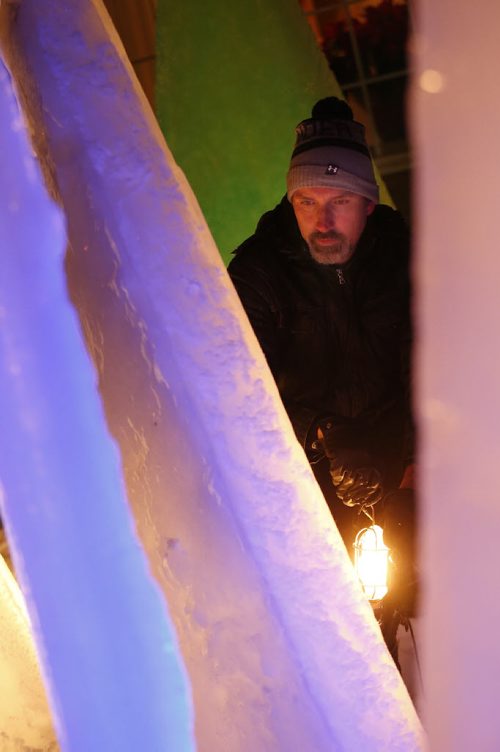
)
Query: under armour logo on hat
[{"x": 331, "y": 151}]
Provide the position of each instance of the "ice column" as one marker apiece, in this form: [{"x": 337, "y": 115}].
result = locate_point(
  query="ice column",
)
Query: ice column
[
  {"x": 110, "y": 655},
  {"x": 456, "y": 125}
]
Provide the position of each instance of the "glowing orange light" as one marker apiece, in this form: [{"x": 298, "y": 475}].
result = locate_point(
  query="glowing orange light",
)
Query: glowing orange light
[{"x": 371, "y": 557}]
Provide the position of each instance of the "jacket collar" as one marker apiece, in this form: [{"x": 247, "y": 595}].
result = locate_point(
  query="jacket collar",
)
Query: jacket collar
[{"x": 280, "y": 228}]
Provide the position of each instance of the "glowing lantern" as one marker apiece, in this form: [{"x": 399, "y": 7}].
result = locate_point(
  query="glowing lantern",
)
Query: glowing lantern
[
  {"x": 25, "y": 720},
  {"x": 371, "y": 557}
]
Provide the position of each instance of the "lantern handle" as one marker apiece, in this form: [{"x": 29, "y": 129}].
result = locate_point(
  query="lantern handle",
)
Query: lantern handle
[{"x": 368, "y": 509}]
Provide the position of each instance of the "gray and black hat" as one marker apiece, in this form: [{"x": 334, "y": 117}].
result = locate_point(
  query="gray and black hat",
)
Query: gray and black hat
[{"x": 330, "y": 151}]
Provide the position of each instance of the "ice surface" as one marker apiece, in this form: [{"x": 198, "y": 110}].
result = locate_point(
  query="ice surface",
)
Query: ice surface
[
  {"x": 455, "y": 120},
  {"x": 109, "y": 654}
]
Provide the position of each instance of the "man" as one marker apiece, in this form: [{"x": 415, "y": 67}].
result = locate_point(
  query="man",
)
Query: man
[{"x": 325, "y": 283}]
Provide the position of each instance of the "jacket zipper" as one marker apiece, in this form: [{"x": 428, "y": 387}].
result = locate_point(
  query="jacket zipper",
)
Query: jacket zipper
[{"x": 340, "y": 275}]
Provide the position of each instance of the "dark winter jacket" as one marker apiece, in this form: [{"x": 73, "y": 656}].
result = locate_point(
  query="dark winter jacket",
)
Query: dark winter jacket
[{"x": 337, "y": 339}]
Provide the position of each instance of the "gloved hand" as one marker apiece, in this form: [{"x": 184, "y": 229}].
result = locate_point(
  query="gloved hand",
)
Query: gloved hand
[
  {"x": 356, "y": 481},
  {"x": 354, "y": 476}
]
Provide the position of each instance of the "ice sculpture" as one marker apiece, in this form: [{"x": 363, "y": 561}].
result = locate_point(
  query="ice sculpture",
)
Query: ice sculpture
[
  {"x": 280, "y": 645},
  {"x": 115, "y": 676}
]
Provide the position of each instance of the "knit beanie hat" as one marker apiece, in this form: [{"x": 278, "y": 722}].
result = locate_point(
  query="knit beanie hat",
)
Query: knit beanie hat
[{"x": 330, "y": 151}]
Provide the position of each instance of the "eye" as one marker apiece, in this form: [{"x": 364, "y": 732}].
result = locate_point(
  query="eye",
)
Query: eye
[{"x": 341, "y": 201}]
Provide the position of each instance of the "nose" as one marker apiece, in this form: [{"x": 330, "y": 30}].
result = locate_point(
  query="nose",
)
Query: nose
[{"x": 325, "y": 218}]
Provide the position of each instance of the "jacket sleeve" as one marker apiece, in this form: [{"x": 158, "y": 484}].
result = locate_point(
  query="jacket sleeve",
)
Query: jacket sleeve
[
  {"x": 257, "y": 296},
  {"x": 305, "y": 421}
]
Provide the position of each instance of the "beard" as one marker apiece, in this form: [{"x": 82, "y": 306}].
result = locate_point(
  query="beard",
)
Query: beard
[{"x": 329, "y": 247}]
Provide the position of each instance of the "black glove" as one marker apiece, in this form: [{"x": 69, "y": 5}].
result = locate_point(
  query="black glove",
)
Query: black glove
[{"x": 356, "y": 480}]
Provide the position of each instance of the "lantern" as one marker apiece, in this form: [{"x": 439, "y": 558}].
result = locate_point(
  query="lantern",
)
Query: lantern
[{"x": 371, "y": 558}]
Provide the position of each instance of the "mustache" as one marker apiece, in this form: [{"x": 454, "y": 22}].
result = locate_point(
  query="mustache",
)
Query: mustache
[{"x": 330, "y": 235}]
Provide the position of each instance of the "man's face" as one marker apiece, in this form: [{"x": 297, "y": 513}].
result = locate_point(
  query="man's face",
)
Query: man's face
[{"x": 331, "y": 221}]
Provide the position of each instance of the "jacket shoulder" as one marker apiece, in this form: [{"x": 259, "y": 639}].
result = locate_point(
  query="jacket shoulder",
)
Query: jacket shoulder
[
  {"x": 262, "y": 251},
  {"x": 388, "y": 237},
  {"x": 389, "y": 224}
]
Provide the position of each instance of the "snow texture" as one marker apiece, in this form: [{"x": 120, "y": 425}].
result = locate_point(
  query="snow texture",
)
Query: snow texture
[
  {"x": 109, "y": 653},
  {"x": 282, "y": 649}
]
